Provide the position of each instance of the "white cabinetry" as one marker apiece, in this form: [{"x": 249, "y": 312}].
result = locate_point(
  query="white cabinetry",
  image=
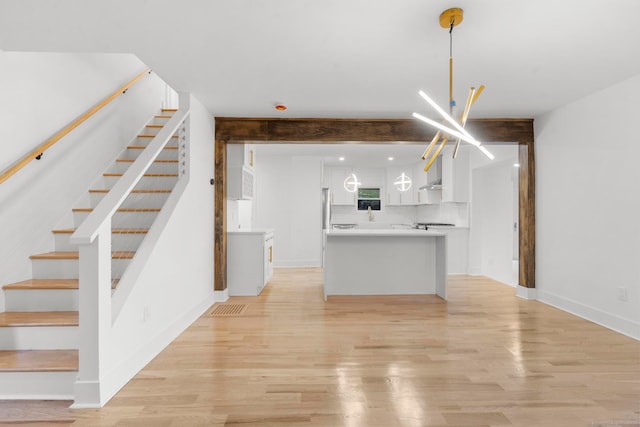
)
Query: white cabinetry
[
  {"x": 241, "y": 154},
  {"x": 339, "y": 194},
  {"x": 455, "y": 176},
  {"x": 240, "y": 174},
  {"x": 395, "y": 197},
  {"x": 249, "y": 261}
]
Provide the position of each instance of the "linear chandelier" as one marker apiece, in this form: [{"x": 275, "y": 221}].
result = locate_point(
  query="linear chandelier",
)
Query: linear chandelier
[{"x": 450, "y": 18}]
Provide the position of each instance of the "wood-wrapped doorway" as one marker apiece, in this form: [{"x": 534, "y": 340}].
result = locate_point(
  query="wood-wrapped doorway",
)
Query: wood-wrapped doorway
[{"x": 360, "y": 131}]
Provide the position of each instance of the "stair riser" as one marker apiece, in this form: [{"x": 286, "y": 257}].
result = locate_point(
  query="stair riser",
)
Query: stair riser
[
  {"x": 39, "y": 338},
  {"x": 167, "y": 154},
  {"x": 68, "y": 268},
  {"x": 41, "y": 300},
  {"x": 156, "y": 167},
  {"x": 37, "y": 385},
  {"x": 119, "y": 242},
  {"x": 158, "y": 121},
  {"x": 135, "y": 200},
  {"x": 145, "y": 183},
  {"x": 151, "y": 130},
  {"x": 145, "y": 141},
  {"x": 122, "y": 219}
]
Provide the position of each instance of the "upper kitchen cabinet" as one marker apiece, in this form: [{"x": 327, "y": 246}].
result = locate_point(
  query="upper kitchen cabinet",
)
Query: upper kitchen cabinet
[
  {"x": 398, "y": 179},
  {"x": 241, "y": 154},
  {"x": 336, "y": 179},
  {"x": 240, "y": 173},
  {"x": 455, "y": 175}
]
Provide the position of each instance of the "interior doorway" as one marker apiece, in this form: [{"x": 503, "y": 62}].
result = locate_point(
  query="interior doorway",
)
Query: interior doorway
[
  {"x": 493, "y": 217},
  {"x": 401, "y": 131}
]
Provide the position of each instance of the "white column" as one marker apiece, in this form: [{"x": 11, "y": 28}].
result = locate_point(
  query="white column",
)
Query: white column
[{"x": 95, "y": 318}]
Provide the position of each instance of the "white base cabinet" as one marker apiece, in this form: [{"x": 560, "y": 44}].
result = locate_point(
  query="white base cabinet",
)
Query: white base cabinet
[{"x": 249, "y": 261}]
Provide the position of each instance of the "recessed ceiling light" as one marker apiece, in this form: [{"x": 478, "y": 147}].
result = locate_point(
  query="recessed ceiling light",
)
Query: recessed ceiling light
[
  {"x": 341, "y": 159},
  {"x": 516, "y": 165},
  {"x": 390, "y": 158}
]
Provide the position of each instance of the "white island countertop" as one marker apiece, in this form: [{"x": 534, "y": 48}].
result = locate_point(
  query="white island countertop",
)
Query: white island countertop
[
  {"x": 251, "y": 231},
  {"x": 383, "y": 232}
]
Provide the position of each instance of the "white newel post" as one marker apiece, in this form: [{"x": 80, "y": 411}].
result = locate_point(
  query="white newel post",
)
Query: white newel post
[{"x": 95, "y": 317}]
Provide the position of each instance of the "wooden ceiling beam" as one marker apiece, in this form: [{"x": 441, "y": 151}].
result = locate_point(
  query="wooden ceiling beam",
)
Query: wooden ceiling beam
[{"x": 240, "y": 130}]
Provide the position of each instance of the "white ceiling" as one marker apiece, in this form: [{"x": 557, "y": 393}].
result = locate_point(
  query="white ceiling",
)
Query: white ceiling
[{"x": 348, "y": 58}]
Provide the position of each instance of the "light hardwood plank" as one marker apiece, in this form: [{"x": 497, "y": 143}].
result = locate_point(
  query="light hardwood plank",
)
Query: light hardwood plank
[
  {"x": 48, "y": 284},
  {"x": 38, "y": 360},
  {"x": 38, "y": 318},
  {"x": 114, "y": 231},
  {"x": 482, "y": 358},
  {"x": 74, "y": 255},
  {"x": 155, "y": 161}
]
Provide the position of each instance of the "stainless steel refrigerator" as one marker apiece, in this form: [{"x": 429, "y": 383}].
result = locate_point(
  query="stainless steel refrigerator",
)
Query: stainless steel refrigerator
[
  {"x": 326, "y": 209},
  {"x": 326, "y": 217}
]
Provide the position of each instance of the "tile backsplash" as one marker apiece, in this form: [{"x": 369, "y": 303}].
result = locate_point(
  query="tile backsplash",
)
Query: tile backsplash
[{"x": 455, "y": 213}]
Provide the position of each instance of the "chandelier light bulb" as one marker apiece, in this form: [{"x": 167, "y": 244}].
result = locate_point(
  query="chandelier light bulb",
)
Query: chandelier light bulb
[
  {"x": 403, "y": 182},
  {"x": 351, "y": 183},
  {"x": 447, "y": 117}
]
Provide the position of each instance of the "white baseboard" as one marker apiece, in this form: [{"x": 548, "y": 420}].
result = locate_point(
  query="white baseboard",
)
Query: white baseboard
[
  {"x": 526, "y": 293},
  {"x": 221, "y": 296},
  {"x": 119, "y": 376},
  {"x": 624, "y": 326}
]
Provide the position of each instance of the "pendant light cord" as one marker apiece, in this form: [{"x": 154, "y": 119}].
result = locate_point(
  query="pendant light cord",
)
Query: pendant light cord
[{"x": 452, "y": 103}]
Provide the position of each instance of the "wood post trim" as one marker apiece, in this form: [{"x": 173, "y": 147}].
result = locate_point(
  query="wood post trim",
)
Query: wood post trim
[{"x": 233, "y": 130}]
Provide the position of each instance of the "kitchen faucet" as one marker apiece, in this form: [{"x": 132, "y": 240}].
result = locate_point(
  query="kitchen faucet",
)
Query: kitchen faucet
[{"x": 371, "y": 217}]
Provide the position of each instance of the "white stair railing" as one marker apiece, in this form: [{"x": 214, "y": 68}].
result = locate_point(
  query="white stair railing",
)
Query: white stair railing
[{"x": 93, "y": 238}]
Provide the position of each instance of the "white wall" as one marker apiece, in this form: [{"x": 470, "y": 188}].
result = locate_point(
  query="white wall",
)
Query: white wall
[
  {"x": 289, "y": 200},
  {"x": 41, "y": 94},
  {"x": 176, "y": 284},
  {"x": 588, "y": 205}
]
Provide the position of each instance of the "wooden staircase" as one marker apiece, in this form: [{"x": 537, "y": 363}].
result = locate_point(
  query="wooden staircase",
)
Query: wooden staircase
[{"x": 39, "y": 330}]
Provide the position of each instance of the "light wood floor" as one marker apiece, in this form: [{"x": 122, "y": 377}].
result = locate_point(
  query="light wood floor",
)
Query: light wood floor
[{"x": 484, "y": 358}]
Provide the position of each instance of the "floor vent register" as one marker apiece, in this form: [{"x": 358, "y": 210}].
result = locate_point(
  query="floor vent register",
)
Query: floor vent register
[{"x": 227, "y": 310}]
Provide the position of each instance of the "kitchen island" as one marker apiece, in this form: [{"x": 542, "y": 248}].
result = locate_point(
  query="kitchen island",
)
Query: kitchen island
[{"x": 385, "y": 262}]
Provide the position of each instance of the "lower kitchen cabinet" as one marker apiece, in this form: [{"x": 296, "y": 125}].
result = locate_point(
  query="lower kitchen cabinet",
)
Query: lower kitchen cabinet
[{"x": 249, "y": 261}]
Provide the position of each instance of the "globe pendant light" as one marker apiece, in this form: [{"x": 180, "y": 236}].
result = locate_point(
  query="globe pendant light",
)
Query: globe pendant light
[{"x": 450, "y": 18}]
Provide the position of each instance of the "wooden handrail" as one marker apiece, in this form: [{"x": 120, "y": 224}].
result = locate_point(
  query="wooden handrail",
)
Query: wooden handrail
[{"x": 77, "y": 122}]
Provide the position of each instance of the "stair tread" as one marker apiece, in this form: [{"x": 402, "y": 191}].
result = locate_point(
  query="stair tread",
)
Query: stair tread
[
  {"x": 74, "y": 255},
  {"x": 38, "y": 360},
  {"x": 154, "y": 175},
  {"x": 144, "y": 135},
  {"x": 155, "y": 126},
  {"x": 169, "y": 110},
  {"x": 162, "y": 116},
  {"x": 47, "y": 284},
  {"x": 155, "y": 161},
  {"x": 142, "y": 147},
  {"x": 114, "y": 231},
  {"x": 120, "y": 210},
  {"x": 133, "y": 191},
  {"x": 38, "y": 318}
]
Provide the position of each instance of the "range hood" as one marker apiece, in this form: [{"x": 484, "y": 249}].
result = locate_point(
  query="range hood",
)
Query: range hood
[
  {"x": 436, "y": 174},
  {"x": 433, "y": 185}
]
